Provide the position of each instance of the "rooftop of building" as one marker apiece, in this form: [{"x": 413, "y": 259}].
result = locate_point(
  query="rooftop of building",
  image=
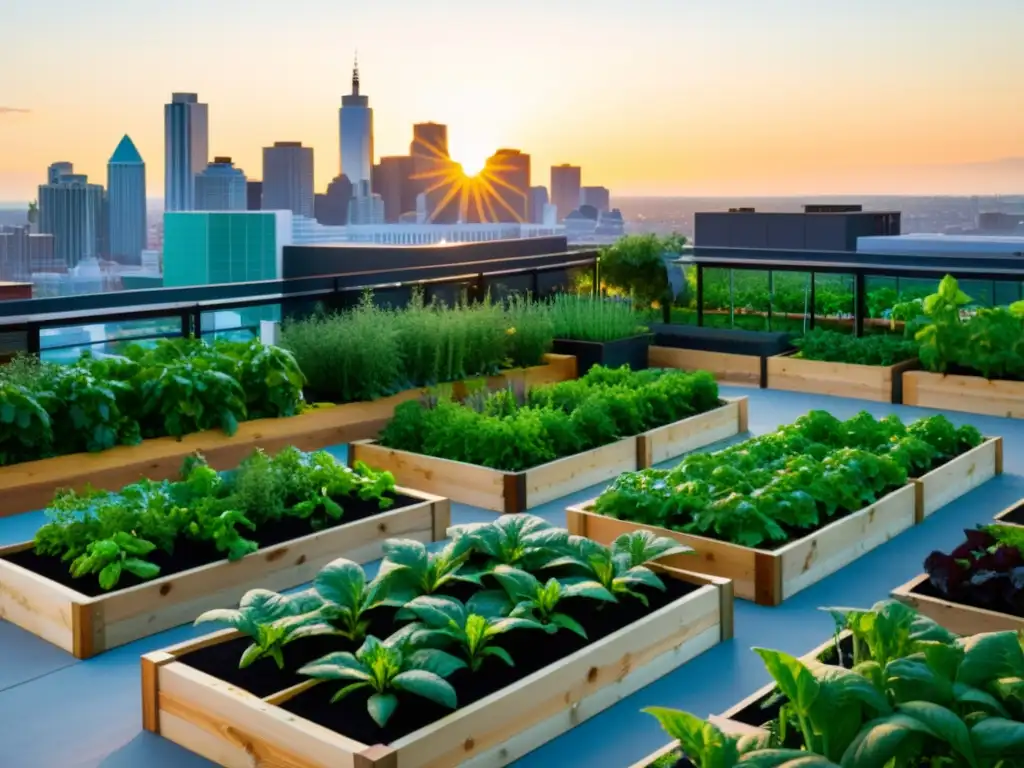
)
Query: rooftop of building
[{"x": 126, "y": 153}]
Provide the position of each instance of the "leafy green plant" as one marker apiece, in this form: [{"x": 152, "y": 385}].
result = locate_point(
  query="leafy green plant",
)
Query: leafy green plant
[
  {"x": 473, "y": 628},
  {"x": 411, "y": 570},
  {"x": 510, "y": 432},
  {"x": 538, "y": 602},
  {"x": 109, "y": 558},
  {"x": 516, "y": 540},
  {"x": 348, "y": 597},
  {"x": 836, "y": 347},
  {"x": 205, "y": 507},
  {"x": 271, "y": 621},
  {"x": 634, "y": 266},
  {"x": 388, "y": 671}
]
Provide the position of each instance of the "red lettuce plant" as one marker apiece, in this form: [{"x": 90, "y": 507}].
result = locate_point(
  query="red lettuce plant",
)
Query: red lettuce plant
[{"x": 986, "y": 571}]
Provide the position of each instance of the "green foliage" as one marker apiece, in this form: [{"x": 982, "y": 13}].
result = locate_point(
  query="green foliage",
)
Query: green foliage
[
  {"x": 370, "y": 352},
  {"x": 387, "y": 670},
  {"x": 835, "y": 347},
  {"x": 793, "y": 480},
  {"x": 590, "y": 318},
  {"x": 106, "y": 533},
  {"x": 635, "y": 266},
  {"x": 538, "y": 601},
  {"x": 989, "y": 341},
  {"x": 508, "y": 431},
  {"x": 348, "y": 596},
  {"x": 174, "y": 388},
  {"x": 920, "y": 696}
]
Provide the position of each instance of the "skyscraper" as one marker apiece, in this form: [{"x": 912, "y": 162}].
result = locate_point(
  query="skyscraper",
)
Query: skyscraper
[
  {"x": 288, "y": 178},
  {"x": 186, "y": 149},
  {"x": 565, "y": 188},
  {"x": 599, "y": 197},
  {"x": 58, "y": 169},
  {"x": 355, "y": 122},
  {"x": 126, "y": 203},
  {"x": 508, "y": 174},
  {"x": 254, "y": 195},
  {"x": 71, "y": 209},
  {"x": 393, "y": 182},
  {"x": 433, "y": 172},
  {"x": 221, "y": 187},
  {"x": 331, "y": 209},
  {"x": 538, "y": 199}
]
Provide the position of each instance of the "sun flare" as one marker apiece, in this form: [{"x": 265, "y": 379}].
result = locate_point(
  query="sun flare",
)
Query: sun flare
[{"x": 472, "y": 166}]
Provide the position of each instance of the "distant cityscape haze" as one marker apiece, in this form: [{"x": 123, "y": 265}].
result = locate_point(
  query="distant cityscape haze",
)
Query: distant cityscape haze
[{"x": 712, "y": 97}]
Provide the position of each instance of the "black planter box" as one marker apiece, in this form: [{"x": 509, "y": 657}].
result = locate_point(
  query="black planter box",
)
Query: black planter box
[
  {"x": 737, "y": 342},
  {"x": 611, "y": 354}
]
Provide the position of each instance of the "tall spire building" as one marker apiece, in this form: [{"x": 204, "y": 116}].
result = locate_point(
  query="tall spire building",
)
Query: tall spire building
[
  {"x": 126, "y": 203},
  {"x": 356, "y": 137},
  {"x": 186, "y": 148}
]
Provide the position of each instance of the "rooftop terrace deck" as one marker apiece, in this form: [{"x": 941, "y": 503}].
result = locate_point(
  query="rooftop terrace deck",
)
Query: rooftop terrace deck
[{"x": 56, "y": 712}]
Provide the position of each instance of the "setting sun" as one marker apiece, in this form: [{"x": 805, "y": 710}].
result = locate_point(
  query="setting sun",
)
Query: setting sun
[{"x": 472, "y": 165}]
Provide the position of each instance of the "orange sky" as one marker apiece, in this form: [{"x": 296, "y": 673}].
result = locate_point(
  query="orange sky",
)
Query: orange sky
[{"x": 710, "y": 97}]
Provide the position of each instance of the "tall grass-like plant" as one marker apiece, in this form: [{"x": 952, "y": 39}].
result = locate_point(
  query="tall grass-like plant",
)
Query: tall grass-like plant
[
  {"x": 588, "y": 318},
  {"x": 355, "y": 355},
  {"x": 529, "y": 333}
]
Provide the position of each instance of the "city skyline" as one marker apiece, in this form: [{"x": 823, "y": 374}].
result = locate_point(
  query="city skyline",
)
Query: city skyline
[{"x": 724, "y": 98}]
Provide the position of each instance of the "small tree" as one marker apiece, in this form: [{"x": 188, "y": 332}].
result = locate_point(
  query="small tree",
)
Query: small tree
[{"x": 636, "y": 266}]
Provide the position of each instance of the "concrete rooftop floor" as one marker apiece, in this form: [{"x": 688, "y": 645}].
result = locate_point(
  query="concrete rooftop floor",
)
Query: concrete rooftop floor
[{"x": 58, "y": 712}]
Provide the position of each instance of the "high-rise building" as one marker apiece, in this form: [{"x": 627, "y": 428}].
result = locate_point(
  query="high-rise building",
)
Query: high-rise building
[
  {"x": 186, "y": 149},
  {"x": 58, "y": 169},
  {"x": 331, "y": 209},
  {"x": 508, "y": 175},
  {"x": 565, "y": 188},
  {"x": 71, "y": 209},
  {"x": 126, "y": 203},
  {"x": 538, "y": 199},
  {"x": 434, "y": 173},
  {"x": 598, "y": 197},
  {"x": 221, "y": 187},
  {"x": 366, "y": 207},
  {"x": 288, "y": 178},
  {"x": 22, "y": 253},
  {"x": 254, "y": 195},
  {"x": 355, "y": 124},
  {"x": 204, "y": 248},
  {"x": 393, "y": 182}
]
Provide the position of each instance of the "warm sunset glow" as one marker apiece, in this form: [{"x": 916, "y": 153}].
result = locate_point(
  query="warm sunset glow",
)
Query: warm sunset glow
[
  {"x": 471, "y": 166},
  {"x": 483, "y": 196}
]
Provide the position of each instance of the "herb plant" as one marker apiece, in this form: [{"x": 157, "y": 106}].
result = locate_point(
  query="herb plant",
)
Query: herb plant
[
  {"x": 590, "y": 318},
  {"x": 513, "y": 432},
  {"x": 105, "y": 534},
  {"x": 836, "y": 347}
]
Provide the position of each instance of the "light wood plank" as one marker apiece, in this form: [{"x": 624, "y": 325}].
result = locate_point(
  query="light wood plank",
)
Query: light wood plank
[
  {"x": 574, "y": 473},
  {"x": 961, "y": 619},
  {"x": 863, "y": 382},
  {"x": 968, "y": 394},
  {"x": 689, "y": 434},
  {"x": 959, "y": 476},
  {"x": 742, "y": 370}
]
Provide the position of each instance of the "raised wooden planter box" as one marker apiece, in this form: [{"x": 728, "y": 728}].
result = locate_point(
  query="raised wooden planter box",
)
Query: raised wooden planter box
[
  {"x": 86, "y": 626},
  {"x": 744, "y": 370},
  {"x": 770, "y": 576},
  {"x": 957, "y": 618},
  {"x": 510, "y": 492},
  {"x": 31, "y": 485},
  {"x": 1006, "y": 516},
  {"x": 969, "y": 394},
  {"x": 883, "y": 384},
  {"x": 959, "y": 476},
  {"x": 236, "y": 729}
]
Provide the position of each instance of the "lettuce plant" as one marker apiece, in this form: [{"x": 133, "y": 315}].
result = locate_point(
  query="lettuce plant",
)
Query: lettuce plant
[
  {"x": 986, "y": 571},
  {"x": 409, "y": 569},
  {"x": 539, "y": 601},
  {"x": 387, "y": 670},
  {"x": 472, "y": 628},
  {"x": 272, "y": 621},
  {"x": 525, "y": 541}
]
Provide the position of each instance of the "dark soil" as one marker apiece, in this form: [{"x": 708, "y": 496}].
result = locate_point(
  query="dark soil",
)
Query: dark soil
[
  {"x": 531, "y": 650},
  {"x": 1016, "y": 515},
  {"x": 997, "y": 604},
  {"x": 190, "y": 554}
]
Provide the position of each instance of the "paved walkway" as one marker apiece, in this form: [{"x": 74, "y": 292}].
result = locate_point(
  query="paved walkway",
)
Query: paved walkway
[{"x": 56, "y": 712}]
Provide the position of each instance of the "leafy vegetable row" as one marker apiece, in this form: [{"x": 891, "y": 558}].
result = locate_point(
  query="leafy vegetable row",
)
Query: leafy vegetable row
[
  {"x": 175, "y": 388},
  {"x": 525, "y": 575},
  {"x": 986, "y": 571},
  {"x": 789, "y": 482},
  {"x": 836, "y": 347},
  {"x": 913, "y": 695},
  {"x": 105, "y": 534},
  {"x": 513, "y": 431}
]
